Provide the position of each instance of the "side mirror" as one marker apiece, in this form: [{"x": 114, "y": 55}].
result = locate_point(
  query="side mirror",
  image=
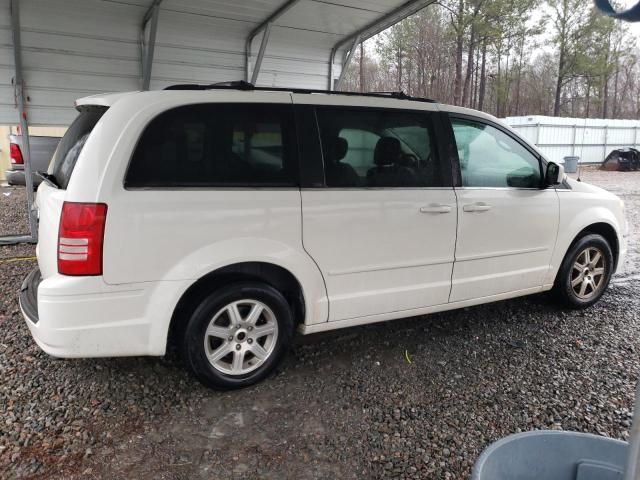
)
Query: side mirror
[{"x": 555, "y": 174}]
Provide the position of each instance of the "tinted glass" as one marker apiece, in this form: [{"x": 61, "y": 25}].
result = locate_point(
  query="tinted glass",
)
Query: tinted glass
[
  {"x": 378, "y": 148},
  {"x": 66, "y": 154},
  {"x": 216, "y": 145},
  {"x": 491, "y": 158}
]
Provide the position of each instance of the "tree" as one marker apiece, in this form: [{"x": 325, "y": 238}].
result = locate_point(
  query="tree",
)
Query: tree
[
  {"x": 489, "y": 57},
  {"x": 569, "y": 20}
]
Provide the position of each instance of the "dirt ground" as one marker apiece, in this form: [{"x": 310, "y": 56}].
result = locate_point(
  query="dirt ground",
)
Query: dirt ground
[{"x": 415, "y": 398}]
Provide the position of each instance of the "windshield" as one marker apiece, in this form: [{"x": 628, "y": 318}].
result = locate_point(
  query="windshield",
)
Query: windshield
[{"x": 65, "y": 157}]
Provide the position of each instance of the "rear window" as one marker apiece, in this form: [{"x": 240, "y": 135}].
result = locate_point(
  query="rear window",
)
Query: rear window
[
  {"x": 65, "y": 157},
  {"x": 216, "y": 145}
]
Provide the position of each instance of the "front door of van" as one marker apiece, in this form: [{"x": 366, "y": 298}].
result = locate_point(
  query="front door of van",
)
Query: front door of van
[
  {"x": 382, "y": 229},
  {"x": 507, "y": 224}
]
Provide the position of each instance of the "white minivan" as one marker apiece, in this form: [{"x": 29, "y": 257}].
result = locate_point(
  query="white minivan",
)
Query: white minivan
[{"x": 224, "y": 218}]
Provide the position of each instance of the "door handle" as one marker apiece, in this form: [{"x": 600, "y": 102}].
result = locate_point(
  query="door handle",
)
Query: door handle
[
  {"x": 436, "y": 208},
  {"x": 476, "y": 207}
]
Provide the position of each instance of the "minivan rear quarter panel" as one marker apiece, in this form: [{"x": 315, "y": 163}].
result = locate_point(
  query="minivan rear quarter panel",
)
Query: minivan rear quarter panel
[{"x": 177, "y": 234}]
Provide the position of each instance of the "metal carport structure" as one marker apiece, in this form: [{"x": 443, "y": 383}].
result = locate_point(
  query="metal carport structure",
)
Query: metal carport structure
[{"x": 52, "y": 52}]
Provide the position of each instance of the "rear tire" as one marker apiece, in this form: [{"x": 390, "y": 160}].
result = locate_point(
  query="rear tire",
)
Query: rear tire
[
  {"x": 237, "y": 335},
  {"x": 585, "y": 272}
]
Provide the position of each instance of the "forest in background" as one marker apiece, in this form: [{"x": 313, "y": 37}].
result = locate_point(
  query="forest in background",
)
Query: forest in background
[{"x": 508, "y": 58}]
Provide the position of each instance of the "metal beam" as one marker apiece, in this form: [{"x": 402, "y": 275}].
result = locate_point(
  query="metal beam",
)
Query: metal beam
[
  {"x": 346, "y": 62},
  {"x": 263, "y": 47},
  {"x": 149, "y": 49},
  {"x": 24, "y": 124},
  {"x": 149, "y": 12},
  {"x": 264, "y": 25},
  {"x": 365, "y": 33}
]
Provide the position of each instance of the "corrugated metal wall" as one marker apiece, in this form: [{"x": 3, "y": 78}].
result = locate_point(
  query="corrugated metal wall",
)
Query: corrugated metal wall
[
  {"x": 74, "y": 48},
  {"x": 590, "y": 139},
  {"x": 69, "y": 56},
  {"x": 204, "y": 42}
]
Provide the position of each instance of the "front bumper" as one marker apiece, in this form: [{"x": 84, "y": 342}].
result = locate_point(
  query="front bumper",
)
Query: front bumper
[
  {"x": 79, "y": 317},
  {"x": 622, "y": 256}
]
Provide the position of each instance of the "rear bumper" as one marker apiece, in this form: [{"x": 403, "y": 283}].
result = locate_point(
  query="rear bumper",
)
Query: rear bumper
[
  {"x": 79, "y": 317},
  {"x": 29, "y": 296},
  {"x": 17, "y": 177}
]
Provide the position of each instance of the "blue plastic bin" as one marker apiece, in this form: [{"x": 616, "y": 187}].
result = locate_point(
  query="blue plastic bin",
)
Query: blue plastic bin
[
  {"x": 552, "y": 455},
  {"x": 571, "y": 164}
]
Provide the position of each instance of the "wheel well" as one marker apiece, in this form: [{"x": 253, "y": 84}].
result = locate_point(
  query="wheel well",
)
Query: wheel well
[
  {"x": 273, "y": 275},
  {"x": 609, "y": 234}
]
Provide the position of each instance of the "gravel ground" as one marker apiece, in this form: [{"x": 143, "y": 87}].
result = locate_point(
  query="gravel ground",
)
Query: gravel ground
[{"x": 344, "y": 405}]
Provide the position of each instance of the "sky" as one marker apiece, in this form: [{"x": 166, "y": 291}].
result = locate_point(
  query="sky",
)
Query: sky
[
  {"x": 620, "y": 5},
  {"x": 624, "y": 5},
  {"x": 634, "y": 28}
]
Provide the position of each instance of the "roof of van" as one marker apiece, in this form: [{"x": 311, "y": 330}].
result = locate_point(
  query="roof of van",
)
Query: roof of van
[
  {"x": 109, "y": 99},
  {"x": 103, "y": 99}
]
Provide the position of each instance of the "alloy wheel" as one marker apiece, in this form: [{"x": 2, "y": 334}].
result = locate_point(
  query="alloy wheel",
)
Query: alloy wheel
[
  {"x": 588, "y": 273},
  {"x": 240, "y": 337}
]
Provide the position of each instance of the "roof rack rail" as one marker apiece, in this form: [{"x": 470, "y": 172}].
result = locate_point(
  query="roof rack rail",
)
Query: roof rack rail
[
  {"x": 234, "y": 85},
  {"x": 246, "y": 86}
]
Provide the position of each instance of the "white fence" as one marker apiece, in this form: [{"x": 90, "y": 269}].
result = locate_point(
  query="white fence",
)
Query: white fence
[{"x": 590, "y": 139}]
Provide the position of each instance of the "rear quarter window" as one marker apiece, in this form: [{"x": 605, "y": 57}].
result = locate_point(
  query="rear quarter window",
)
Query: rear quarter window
[
  {"x": 216, "y": 145},
  {"x": 66, "y": 155}
]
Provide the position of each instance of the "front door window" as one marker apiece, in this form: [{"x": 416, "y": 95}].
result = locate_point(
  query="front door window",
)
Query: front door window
[{"x": 491, "y": 158}]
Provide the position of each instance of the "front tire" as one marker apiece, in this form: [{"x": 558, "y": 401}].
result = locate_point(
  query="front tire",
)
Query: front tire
[
  {"x": 238, "y": 335},
  {"x": 585, "y": 272}
]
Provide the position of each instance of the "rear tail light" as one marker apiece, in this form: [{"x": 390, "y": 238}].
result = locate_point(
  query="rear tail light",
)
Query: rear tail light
[
  {"x": 80, "y": 238},
  {"x": 16, "y": 154}
]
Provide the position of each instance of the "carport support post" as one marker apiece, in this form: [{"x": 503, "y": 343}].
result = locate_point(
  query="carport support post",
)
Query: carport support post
[
  {"x": 263, "y": 47},
  {"x": 264, "y": 25},
  {"x": 632, "y": 467},
  {"x": 347, "y": 61},
  {"x": 147, "y": 61},
  {"x": 332, "y": 59},
  {"x": 400, "y": 13},
  {"x": 24, "y": 125}
]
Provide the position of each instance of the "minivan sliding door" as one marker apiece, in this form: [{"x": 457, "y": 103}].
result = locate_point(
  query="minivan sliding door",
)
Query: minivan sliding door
[{"x": 381, "y": 224}]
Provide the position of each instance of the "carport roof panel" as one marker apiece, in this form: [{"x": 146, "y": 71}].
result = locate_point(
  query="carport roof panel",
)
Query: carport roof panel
[
  {"x": 74, "y": 48},
  {"x": 335, "y": 20},
  {"x": 338, "y": 18},
  {"x": 250, "y": 13}
]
